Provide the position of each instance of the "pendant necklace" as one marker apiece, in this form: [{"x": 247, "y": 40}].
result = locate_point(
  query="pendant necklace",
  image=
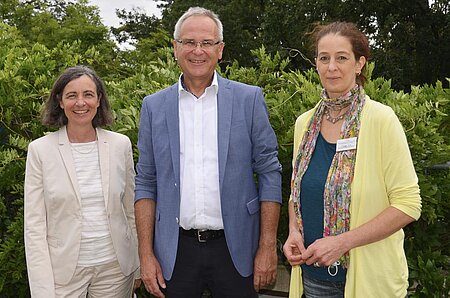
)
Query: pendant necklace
[{"x": 333, "y": 119}]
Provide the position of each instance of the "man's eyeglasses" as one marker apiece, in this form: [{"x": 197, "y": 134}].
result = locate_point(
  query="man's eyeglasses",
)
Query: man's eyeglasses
[{"x": 192, "y": 44}]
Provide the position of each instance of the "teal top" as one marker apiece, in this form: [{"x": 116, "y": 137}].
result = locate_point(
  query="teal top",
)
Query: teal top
[{"x": 311, "y": 204}]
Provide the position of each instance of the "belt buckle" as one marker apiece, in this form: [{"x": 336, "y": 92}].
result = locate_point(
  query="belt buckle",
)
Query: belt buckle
[{"x": 199, "y": 236}]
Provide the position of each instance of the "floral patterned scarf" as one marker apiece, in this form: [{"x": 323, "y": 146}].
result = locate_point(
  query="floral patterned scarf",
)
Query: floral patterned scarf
[{"x": 337, "y": 194}]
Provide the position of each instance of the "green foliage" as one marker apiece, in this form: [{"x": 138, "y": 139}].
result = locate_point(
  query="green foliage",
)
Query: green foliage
[
  {"x": 146, "y": 51},
  {"x": 50, "y": 22},
  {"x": 135, "y": 25}
]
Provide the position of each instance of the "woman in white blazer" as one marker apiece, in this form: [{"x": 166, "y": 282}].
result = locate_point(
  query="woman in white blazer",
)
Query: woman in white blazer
[{"x": 80, "y": 233}]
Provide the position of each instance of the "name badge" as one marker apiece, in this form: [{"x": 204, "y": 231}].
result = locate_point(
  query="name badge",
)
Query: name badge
[{"x": 346, "y": 144}]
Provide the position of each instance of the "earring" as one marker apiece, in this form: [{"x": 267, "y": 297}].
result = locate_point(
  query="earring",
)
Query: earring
[{"x": 176, "y": 59}]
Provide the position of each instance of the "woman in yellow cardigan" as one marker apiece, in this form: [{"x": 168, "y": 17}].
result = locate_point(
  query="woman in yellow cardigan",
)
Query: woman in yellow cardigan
[{"x": 354, "y": 186}]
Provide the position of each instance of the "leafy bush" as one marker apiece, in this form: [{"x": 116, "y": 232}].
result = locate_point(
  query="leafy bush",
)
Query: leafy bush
[{"x": 27, "y": 74}]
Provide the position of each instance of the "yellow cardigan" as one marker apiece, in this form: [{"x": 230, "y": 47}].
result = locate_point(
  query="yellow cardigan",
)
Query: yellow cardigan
[{"x": 384, "y": 176}]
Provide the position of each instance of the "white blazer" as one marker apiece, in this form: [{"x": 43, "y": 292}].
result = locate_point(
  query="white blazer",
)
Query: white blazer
[{"x": 53, "y": 218}]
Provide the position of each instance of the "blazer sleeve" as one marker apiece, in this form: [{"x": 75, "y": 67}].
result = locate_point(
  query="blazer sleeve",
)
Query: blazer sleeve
[
  {"x": 265, "y": 152},
  {"x": 146, "y": 168},
  {"x": 40, "y": 273}
]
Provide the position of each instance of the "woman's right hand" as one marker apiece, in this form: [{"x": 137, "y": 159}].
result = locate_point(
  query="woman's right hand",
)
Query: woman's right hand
[{"x": 293, "y": 248}]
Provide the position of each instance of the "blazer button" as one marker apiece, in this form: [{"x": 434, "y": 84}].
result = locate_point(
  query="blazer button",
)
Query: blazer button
[{"x": 177, "y": 220}]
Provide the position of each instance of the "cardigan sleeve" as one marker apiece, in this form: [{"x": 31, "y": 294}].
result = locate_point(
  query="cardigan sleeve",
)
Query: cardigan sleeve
[{"x": 399, "y": 174}]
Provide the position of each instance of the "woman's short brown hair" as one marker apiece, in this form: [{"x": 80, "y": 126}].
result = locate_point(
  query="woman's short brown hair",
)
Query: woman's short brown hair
[
  {"x": 53, "y": 115},
  {"x": 358, "y": 40}
]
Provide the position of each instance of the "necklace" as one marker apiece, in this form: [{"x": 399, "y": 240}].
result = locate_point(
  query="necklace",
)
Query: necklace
[
  {"x": 90, "y": 145},
  {"x": 333, "y": 119}
]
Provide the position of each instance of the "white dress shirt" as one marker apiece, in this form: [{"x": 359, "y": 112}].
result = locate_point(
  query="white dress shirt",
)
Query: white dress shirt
[{"x": 199, "y": 163}]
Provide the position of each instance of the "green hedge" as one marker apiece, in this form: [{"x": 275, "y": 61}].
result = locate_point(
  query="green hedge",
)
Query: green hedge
[{"x": 27, "y": 74}]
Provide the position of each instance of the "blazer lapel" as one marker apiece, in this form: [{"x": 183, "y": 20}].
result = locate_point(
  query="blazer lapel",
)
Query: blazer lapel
[
  {"x": 103, "y": 153},
  {"x": 224, "y": 110},
  {"x": 66, "y": 155},
  {"x": 173, "y": 126}
]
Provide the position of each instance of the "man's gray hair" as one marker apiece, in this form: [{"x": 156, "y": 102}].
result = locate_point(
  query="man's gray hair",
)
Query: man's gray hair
[{"x": 198, "y": 11}]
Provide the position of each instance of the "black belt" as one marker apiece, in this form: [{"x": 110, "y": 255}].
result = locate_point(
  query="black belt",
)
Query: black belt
[{"x": 203, "y": 235}]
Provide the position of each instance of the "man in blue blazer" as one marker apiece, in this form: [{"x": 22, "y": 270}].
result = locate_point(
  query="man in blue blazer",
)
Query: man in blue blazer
[{"x": 202, "y": 219}]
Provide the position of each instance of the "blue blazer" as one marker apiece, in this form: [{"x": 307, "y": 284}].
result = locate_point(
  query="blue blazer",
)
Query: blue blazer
[{"x": 247, "y": 145}]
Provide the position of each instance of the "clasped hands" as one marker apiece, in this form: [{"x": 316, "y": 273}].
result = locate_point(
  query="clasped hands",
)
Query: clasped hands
[{"x": 321, "y": 253}]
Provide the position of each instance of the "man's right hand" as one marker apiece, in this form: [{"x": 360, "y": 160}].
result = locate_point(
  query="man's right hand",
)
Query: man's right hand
[{"x": 151, "y": 275}]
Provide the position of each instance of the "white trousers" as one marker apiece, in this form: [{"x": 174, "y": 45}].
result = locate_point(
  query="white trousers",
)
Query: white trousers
[{"x": 97, "y": 282}]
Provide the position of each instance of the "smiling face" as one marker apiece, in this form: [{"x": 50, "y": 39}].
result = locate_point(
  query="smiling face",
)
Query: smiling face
[
  {"x": 337, "y": 65},
  {"x": 80, "y": 101},
  {"x": 198, "y": 63}
]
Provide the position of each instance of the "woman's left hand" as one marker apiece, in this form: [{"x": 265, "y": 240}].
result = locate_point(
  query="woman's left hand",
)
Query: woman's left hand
[{"x": 325, "y": 251}]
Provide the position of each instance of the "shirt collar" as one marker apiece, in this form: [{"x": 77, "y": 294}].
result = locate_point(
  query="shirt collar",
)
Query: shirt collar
[{"x": 214, "y": 85}]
